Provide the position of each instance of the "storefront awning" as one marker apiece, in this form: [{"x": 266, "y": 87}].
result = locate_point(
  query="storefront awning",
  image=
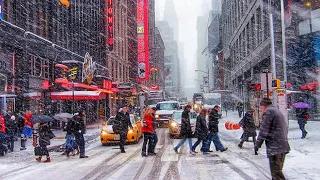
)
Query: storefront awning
[
  {"x": 33, "y": 95},
  {"x": 78, "y": 95},
  {"x": 7, "y": 95}
]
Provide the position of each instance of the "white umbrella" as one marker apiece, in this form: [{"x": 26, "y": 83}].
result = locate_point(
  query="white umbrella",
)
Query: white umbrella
[{"x": 63, "y": 117}]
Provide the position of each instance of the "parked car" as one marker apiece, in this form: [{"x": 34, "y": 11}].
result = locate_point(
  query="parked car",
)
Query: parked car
[
  {"x": 164, "y": 111},
  {"x": 175, "y": 123},
  {"x": 107, "y": 135}
]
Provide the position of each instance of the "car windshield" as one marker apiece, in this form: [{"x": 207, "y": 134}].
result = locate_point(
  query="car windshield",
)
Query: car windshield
[
  {"x": 167, "y": 106},
  {"x": 153, "y": 101},
  {"x": 212, "y": 101}
]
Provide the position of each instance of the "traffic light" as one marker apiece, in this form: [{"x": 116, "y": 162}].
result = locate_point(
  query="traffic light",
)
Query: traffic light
[
  {"x": 276, "y": 83},
  {"x": 64, "y": 2}
]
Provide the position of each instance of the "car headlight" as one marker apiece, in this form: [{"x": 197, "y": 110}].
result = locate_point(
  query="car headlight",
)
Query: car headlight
[
  {"x": 103, "y": 132},
  {"x": 195, "y": 106},
  {"x": 174, "y": 124},
  {"x": 130, "y": 131},
  {"x": 157, "y": 116}
]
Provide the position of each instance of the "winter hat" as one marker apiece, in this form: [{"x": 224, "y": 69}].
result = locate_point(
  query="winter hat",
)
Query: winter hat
[{"x": 265, "y": 102}]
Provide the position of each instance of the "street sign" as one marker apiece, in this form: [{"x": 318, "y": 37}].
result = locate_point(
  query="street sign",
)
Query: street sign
[{"x": 263, "y": 81}]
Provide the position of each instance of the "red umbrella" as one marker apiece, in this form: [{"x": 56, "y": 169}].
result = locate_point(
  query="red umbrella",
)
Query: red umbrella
[{"x": 310, "y": 86}]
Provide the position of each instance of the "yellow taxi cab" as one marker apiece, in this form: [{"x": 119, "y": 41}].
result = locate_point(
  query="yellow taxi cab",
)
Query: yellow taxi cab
[{"x": 107, "y": 136}]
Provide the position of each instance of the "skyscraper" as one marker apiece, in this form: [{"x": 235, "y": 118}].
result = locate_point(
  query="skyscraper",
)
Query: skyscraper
[{"x": 170, "y": 15}]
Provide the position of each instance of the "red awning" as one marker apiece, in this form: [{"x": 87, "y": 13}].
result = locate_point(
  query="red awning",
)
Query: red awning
[
  {"x": 310, "y": 86},
  {"x": 78, "y": 95}
]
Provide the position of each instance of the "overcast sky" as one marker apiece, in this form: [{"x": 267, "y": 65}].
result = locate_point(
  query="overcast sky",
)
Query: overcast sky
[{"x": 187, "y": 11}]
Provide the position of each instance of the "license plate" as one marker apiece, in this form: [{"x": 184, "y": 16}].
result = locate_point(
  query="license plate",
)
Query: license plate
[{"x": 117, "y": 138}]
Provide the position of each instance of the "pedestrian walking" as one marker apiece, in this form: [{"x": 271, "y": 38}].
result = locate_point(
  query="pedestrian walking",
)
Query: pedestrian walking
[
  {"x": 213, "y": 131},
  {"x": 201, "y": 131},
  {"x": 80, "y": 130},
  {"x": 240, "y": 109},
  {"x": 185, "y": 132},
  {"x": 147, "y": 130},
  {"x": 27, "y": 129},
  {"x": 274, "y": 132},
  {"x": 10, "y": 130},
  {"x": 249, "y": 128},
  {"x": 121, "y": 125},
  {"x": 154, "y": 139},
  {"x": 45, "y": 134},
  {"x": 71, "y": 145},
  {"x": 302, "y": 116}
]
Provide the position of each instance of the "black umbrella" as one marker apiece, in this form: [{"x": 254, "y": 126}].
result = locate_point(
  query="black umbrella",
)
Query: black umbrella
[{"x": 41, "y": 119}]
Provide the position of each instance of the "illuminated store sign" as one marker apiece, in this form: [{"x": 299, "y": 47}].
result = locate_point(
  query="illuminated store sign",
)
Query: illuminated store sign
[
  {"x": 110, "y": 24},
  {"x": 142, "y": 30}
]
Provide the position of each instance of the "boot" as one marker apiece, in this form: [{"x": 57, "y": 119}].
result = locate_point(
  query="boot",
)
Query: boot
[
  {"x": 38, "y": 159},
  {"x": 23, "y": 145},
  {"x": 48, "y": 160},
  {"x": 240, "y": 144}
]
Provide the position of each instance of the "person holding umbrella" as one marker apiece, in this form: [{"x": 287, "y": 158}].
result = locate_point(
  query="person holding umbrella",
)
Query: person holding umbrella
[
  {"x": 44, "y": 141},
  {"x": 302, "y": 115}
]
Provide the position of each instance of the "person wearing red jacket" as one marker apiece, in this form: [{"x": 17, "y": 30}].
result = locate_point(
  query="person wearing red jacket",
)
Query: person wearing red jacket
[
  {"x": 27, "y": 130},
  {"x": 2, "y": 125},
  {"x": 147, "y": 130}
]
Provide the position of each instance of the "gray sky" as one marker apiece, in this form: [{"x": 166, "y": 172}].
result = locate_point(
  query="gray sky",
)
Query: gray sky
[{"x": 187, "y": 11}]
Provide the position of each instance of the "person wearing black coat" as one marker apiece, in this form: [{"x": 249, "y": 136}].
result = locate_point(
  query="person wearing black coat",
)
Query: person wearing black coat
[
  {"x": 44, "y": 141},
  {"x": 201, "y": 131},
  {"x": 10, "y": 130},
  {"x": 185, "y": 132},
  {"x": 249, "y": 128},
  {"x": 79, "y": 130},
  {"x": 121, "y": 125},
  {"x": 213, "y": 131},
  {"x": 301, "y": 114}
]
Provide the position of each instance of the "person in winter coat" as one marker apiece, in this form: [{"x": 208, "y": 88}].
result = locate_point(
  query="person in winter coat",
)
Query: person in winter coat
[
  {"x": 121, "y": 125},
  {"x": 213, "y": 131},
  {"x": 249, "y": 128},
  {"x": 11, "y": 129},
  {"x": 302, "y": 115},
  {"x": 2, "y": 125},
  {"x": 148, "y": 131},
  {"x": 185, "y": 132},
  {"x": 240, "y": 109},
  {"x": 44, "y": 141},
  {"x": 79, "y": 130},
  {"x": 71, "y": 145},
  {"x": 27, "y": 129},
  {"x": 154, "y": 139},
  {"x": 274, "y": 132},
  {"x": 201, "y": 131}
]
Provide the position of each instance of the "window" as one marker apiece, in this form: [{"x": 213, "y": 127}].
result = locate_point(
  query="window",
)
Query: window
[{"x": 39, "y": 67}]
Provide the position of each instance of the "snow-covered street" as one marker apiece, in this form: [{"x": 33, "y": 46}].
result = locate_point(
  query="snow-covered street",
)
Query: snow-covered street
[{"x": 106, "y": 162}]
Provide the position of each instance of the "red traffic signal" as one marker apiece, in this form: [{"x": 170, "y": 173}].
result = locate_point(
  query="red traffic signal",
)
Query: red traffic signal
[{"x": 255, "y": 86}]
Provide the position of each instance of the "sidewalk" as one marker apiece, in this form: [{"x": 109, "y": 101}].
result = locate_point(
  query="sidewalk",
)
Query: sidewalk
[{"x": 93, "y": 131}]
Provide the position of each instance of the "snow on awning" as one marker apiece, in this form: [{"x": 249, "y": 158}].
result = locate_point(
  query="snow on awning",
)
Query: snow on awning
[
  {"x": 33, "y": 95},
  {"x": 78, "y": 95},
  {"x": 7, "y": 95}
]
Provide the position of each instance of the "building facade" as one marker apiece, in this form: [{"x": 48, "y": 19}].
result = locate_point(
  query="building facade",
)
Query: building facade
[{"x": 37, "y": 35}]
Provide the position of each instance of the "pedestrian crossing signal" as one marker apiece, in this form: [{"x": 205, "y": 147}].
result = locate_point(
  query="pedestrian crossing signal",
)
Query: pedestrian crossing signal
[
  {"x": 276, "y": 83},
  {"x": 64, "y": 2}
]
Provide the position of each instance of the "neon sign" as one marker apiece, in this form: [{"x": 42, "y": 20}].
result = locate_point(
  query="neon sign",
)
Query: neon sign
[
  {"x": 110, "y": 24},
  {"x": 143, "y": 41}
]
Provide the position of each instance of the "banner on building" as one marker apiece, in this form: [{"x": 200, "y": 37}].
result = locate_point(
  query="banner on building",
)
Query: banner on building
[{"x": 143, "y": 40}]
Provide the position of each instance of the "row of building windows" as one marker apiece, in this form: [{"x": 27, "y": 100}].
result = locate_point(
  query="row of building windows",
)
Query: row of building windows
[{"x": 252, "y": 34}]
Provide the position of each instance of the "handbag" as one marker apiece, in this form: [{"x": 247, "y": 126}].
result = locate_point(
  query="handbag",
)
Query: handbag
[{"x": 38, "y": 151}]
